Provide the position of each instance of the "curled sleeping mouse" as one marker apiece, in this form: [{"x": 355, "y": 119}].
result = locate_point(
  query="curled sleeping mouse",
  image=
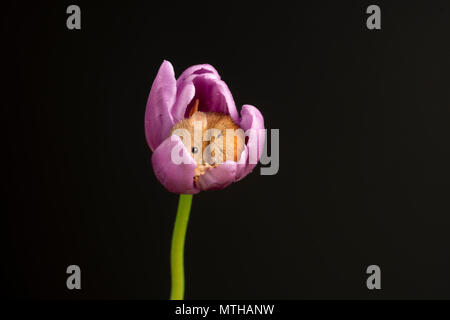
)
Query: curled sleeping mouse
[{"x": 217, "y": 138}]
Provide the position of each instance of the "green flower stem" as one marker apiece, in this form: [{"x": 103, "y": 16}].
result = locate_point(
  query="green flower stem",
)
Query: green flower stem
[{"x": 177, "y": 251}]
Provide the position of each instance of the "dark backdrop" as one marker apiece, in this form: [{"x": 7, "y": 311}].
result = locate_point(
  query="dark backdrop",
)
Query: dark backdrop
[{"x": 364, "y": 156}]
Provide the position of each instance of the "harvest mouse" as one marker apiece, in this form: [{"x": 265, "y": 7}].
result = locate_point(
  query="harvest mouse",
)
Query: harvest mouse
[{"x": 215, "y": 138}]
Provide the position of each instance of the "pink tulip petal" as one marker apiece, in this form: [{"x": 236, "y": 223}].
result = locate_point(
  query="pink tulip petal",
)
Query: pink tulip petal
[
  {"x": 158, "y": 118},
  {"x": 197, "y": 70},
  {"x": 212, "y": 92},
  {"x": 177, "y": 178},
  {"x": 219, "y": 177},
  {"x": 228, "y": 106},
  {"x": 185, "y": 96},
  {"x": 252, "y": 119},
  {"x": 186, "y": 89},
  {"x": 242, "y": 164}
]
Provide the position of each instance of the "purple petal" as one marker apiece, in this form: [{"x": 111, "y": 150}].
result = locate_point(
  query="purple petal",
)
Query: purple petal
[
  {"x": 196, "y": 70},
  {"x": 219, "y": 177},
  {"x": 223, "y": 94},
  {"x": 177, "y": 178},
  {"x": 251, "y": 119},
  {"x": 184, "y": 98},
  {"x": 186, "y": 89},
  {"x": 242, "y": 164},
  {"x": 213, "y": 94},
  {"x": 158, "y": 118}
]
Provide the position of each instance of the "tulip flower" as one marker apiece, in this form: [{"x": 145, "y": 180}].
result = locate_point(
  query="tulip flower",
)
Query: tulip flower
[{"x": 198, "y": 95}]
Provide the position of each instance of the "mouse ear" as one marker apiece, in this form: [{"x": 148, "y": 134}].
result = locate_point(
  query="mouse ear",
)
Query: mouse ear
[{"x": 194, "y": 108}]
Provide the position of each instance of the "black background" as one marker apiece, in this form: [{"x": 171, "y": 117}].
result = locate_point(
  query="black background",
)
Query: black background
[{"x": 364, "y": 158}]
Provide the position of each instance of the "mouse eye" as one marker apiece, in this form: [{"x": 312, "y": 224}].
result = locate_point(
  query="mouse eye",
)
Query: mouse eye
[{"x": 194, "y": 149}]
